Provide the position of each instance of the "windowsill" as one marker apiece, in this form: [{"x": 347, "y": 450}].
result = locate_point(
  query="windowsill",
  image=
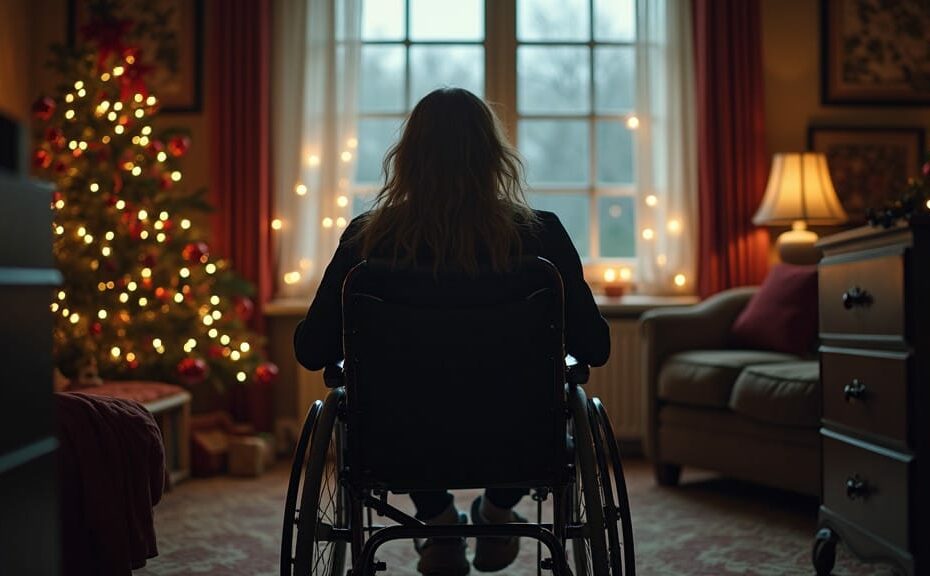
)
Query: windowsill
[{"x": 629, "y": 305}]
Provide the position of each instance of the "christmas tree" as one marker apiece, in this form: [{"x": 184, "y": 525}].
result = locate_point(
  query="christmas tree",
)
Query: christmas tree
[{"x": 142, "y": 298}]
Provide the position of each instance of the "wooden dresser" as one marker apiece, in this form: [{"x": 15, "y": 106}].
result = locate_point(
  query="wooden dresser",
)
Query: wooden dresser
[{"x": 875, "y": 375}]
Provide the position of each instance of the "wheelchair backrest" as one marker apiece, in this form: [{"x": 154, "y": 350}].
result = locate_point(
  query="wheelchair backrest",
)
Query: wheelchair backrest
[{"x": 454, "y": 381}]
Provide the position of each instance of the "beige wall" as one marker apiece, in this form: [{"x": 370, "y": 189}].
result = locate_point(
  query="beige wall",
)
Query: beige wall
[
  {"x": 51, "y": 27},
  {"x": 791, "y": 45},
  {"x": 16, "y": 71}
]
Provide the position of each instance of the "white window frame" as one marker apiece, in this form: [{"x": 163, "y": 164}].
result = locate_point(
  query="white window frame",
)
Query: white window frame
[{"x": 500, "y": 85}]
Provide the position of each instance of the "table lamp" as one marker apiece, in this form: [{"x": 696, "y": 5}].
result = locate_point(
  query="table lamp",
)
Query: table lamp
[{"x": 799, "y": 193}]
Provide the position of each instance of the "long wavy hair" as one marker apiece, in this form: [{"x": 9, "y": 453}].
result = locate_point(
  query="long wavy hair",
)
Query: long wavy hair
[{"x": 453, "y": 189}]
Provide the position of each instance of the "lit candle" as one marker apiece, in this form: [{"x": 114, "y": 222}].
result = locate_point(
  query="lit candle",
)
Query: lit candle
[{"x": 613, "y": 283}]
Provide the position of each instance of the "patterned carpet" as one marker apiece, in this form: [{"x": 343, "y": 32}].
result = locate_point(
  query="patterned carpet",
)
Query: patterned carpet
[{"x": 708, "y": 526}]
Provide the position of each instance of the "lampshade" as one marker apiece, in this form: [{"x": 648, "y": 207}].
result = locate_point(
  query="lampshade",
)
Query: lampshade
[{"x": 800, "y": 190}]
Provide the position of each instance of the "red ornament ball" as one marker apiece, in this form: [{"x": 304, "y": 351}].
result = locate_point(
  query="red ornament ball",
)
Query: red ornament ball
[
  {"x": 195, "y": 251},
  {"x": 192, "y": 370},
  {"x": 41, "y": 158},
  {"x": 55, "y": 137},
  {"x": 43, "y": 108},
  {"x": 178, "y": 145},
  {"x": 215, "y": 351},
  {"x": 96, "y": 328},
  {"x": 244, "y": 308},
  {"x": 266, "y": 373},
  {"x": 133, "y": 364}
]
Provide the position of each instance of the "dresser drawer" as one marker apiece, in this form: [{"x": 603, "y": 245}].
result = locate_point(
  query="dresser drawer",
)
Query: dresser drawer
[
  {"x": 863, "y": 297},
  {"x": 868, "y": 488},
  {"x": 866, "y": 391}
]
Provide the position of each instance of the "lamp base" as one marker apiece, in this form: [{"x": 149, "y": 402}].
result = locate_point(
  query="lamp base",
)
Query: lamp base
[{"x": 797, "y": 247}]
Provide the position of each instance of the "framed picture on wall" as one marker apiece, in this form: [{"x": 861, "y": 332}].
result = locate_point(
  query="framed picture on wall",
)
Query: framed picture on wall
[
  {"x": 874, "y": 52},
  {"x": 868, "y": 165},
  {"x": 168, "y": 35}
]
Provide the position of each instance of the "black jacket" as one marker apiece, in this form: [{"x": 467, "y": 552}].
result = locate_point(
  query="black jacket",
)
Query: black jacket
[{"x": 318, "y": 339}]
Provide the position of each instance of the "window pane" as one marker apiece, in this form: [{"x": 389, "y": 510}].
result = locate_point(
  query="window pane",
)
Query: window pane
[
  {"x": 572, "y": 210},
  {"x": 446, "y": 20},
  {"x": 555, "y": 151},
  {"x": 614, "y": 153},
  {"x": 362, "y": 203},
  {"x": 375, "y": 136},
  {"x": 552, "y": 79},
  {"x": 615, "y": 20},
  {"x": 383, "y": 19},
  {"x": 614, "y": 79},
  {"x": 552, "y": 20},
  {"x": 440, "y": 66},
  {"x": 617, "y": 215},
  {"x": 381, "y": 84}
]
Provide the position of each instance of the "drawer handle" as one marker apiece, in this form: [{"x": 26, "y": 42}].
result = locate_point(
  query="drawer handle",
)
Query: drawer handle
[
  {"x": 856, "y": 488},
  {"x": 856, "y": 296},
  {"x": 855, "y": 390}
]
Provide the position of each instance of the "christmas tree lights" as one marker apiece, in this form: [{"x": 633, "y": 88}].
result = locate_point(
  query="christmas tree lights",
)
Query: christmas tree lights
[{"x": 143, "y": 296}]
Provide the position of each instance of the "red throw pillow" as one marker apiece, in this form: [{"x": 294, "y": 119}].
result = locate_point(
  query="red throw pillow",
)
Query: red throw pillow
[{"x": 782, "y": 315}]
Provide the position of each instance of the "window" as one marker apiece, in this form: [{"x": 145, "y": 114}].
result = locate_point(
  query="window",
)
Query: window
[{"x": 562, "y": 73}]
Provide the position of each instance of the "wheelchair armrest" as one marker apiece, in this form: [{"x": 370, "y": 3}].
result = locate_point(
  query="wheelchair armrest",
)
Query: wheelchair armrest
[
  {"x": 333, "y": 375},
  {"x": 576, "y": 374}
]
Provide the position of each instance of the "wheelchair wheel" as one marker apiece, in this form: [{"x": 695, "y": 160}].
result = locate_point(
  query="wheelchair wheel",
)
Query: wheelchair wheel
[
  {"x": 293, "y": 488},
  {"x": 589, "y": 550},
  {"x": 622, "y": 556},
  {"x": 323, "y": 500}
]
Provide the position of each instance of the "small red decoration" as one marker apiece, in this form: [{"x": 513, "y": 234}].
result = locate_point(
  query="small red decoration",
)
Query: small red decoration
[
  {"x": 60, "y": 166},
  {"x": 43, "y": 108},
  {"x": 96, "y": 328},
  {"x": 925, "y": 169},
  {"x": 55, "y": 137},
  {"x": 41, "y": 158},
  {"x": 266, "y": 373},
  {"x": 244, "y": 308},
  {"x": 156, "y": 146},
  {"x": 149, "y": 260},
  {"x": 178, "y": 145},
  {"x": 162, "y": 294},
  {"x": 215, "y": 351},
  {"x": 195, "y": 251},
  {"x": 192, "y": 370}
]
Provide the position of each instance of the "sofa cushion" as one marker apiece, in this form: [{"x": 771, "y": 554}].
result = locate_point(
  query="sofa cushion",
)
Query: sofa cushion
[
  {"x": 787, "y": 394},
  {"x": 706, "y": 377},
  {"x": 782, "y": 314}
]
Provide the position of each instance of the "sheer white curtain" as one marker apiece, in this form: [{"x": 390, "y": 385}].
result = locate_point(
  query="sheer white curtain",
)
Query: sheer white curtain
[
  {"x": 315, "y": 78},
  {"x": 667, "y": 147}
]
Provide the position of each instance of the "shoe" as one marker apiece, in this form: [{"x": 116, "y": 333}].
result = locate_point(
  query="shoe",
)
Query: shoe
[
  {"x": 443, "y": 556},
  {"x": 493, "y": 554}
]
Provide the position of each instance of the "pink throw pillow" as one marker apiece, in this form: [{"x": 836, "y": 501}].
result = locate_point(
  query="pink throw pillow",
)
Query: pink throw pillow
[{"x": 782, "y": 315}]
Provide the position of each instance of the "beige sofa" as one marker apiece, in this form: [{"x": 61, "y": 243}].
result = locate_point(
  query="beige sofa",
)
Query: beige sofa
[{"x": 748, "y": 414}]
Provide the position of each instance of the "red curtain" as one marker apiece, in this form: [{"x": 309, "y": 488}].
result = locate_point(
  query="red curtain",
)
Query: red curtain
[
  {"x": 732, "y": 160},
  {"x": 239, "y": 116}
]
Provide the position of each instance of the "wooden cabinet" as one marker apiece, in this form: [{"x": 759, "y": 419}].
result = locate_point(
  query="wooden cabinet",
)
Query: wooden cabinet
[
  {"x": 875, "y": 375},
  {"x": 28, "y": 480}
]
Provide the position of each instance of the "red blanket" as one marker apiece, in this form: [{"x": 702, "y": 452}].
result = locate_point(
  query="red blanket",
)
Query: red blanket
[{"x": 111, "y": 474}]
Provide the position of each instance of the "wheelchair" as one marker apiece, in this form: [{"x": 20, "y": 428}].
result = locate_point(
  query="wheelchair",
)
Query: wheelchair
[{"x": 437, "y": 364}]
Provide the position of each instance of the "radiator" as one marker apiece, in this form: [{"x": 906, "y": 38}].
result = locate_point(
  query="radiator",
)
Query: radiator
[{"x": 617, "y": 383}]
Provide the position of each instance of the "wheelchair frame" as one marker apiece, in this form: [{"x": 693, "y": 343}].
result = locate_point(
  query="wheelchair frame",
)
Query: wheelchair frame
[{"x": 587, "y": 508}]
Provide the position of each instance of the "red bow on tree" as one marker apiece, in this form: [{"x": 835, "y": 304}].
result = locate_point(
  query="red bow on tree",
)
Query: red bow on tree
[{"x": 108, "y": 35}]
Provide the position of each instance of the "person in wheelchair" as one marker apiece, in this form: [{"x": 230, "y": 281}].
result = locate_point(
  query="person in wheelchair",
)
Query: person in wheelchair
[{"x": 454, "y": 199}]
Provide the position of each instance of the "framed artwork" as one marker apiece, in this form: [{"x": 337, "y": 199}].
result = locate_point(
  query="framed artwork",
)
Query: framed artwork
[
  {"x": 874, "y": 52},
  {"x": 868, "y": 165},
  {"x": 169, "y": 35}
]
